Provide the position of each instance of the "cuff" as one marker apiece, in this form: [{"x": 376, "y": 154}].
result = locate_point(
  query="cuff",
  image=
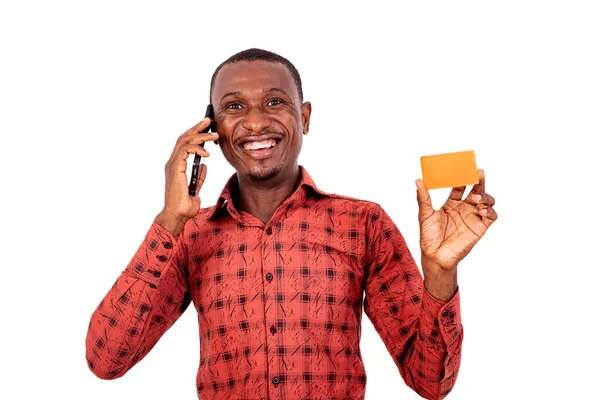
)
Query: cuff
[
  {"x": 440, "y": 322},
  {"x": 154, "y": 254}
]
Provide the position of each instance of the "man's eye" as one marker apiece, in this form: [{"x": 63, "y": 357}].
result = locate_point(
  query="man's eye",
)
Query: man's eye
[
  {"x": 233, "y": 106},
  {"x": 274, "y": 102}
]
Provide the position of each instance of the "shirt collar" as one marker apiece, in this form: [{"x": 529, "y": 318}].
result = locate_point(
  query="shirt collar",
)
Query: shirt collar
[{"x": 231, "y": 191}]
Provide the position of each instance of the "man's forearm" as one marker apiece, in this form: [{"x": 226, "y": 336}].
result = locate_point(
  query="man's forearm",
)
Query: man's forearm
[
  {"x": 116, "y": 331},
  {"x": 147, "y": 298}
]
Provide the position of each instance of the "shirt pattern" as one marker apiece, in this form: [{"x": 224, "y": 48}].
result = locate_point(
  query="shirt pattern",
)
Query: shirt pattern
[{"x": 280, "y": 304}]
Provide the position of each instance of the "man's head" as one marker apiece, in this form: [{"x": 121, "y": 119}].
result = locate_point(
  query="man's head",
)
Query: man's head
[
  {"x": 259, "y": 113},
  {"x": 260, "y": 55}
]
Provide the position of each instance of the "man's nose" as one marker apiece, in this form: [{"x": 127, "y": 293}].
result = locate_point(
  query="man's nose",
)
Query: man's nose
[{"x": 256, "y": 120}]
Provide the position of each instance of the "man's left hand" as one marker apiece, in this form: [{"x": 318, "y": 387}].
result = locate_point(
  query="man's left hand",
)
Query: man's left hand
[{"x": 449, "y": 234}]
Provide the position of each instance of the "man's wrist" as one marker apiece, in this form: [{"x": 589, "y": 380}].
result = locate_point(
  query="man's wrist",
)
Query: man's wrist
[
  {"x": 171, "y": 223},
  {"x": 440, "y": 282}
]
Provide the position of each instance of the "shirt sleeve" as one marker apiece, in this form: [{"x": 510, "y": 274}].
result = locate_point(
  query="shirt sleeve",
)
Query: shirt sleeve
[
  {"x": 146, "y": 299},
  {"x": 422, "y": 334}
]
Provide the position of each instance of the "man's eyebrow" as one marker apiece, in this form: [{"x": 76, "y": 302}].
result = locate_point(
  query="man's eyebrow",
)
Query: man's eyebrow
[
  {"x": 231, "y": 94},
  {"x": 274, "y": 89}
]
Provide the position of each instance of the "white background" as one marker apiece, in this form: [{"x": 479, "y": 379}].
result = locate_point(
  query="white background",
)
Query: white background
[{"x": 93, "y": 96}]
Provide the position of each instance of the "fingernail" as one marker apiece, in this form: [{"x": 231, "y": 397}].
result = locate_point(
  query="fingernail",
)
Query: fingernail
[
  {"x": 484, "y": 211},
  {"x": 477, "y": 197}
]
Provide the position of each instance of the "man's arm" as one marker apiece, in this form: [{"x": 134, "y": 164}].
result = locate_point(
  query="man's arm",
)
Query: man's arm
[
  {"x": 422, "y": 334},
  {"x": 152, "y": 292},
  {"x": 147, "y": 298}
]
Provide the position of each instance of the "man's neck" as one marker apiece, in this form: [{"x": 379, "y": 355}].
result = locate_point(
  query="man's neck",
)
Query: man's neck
[{"x": 261, "y": 199}]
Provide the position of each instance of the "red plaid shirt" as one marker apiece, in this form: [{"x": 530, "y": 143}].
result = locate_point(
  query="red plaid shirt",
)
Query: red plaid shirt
[{"x": 280, "y": 304}]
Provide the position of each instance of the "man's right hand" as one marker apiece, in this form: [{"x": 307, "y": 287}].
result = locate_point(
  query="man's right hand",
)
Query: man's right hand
[{"x": 179, "y": 205}]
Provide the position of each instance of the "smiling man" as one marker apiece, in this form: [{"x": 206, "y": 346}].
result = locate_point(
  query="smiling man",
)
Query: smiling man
[{"x": 280, "y": 270}]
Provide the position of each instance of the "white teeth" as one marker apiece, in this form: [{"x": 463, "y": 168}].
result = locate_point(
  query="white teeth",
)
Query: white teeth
[{"x": 263, "y": 144}]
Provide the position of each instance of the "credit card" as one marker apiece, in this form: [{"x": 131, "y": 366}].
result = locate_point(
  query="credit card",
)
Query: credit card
[{"x": 449, "y": 169}]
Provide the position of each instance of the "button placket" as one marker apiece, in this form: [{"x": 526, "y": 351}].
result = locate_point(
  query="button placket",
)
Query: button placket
[{"x": 269, "y": 262}]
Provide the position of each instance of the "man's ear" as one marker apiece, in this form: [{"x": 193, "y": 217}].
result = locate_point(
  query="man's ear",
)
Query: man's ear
[{"x": 306, "y": 110}]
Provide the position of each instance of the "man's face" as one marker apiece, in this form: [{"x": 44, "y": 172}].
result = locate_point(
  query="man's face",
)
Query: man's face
[{"x": 260, "y": 119}]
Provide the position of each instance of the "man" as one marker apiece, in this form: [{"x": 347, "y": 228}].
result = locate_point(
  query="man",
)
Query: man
[{"x": 277, "y": 269}]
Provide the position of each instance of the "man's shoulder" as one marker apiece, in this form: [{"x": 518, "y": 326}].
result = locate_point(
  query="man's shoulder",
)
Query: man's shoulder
[
  {"x": 351, "y": 199},
  {"x": 201, "y": 218},
  {"x": 367, "y": 206}
]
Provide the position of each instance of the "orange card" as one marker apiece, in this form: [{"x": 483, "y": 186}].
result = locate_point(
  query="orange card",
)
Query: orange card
[{"x": 449, "y": 169}]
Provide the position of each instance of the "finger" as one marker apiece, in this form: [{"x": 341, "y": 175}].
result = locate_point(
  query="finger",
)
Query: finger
[
  {"x": 180, "y": 158},
  {"x": 488, "y": 215},
  {"x": 200, "y": 138},
  {"x": 481, "y": 200},
  {"x": 188, "y": 149},
  {"x": 479, "y": 187},
  {"x": 424, "y": 199},
  {"x": 199, "y": 127},
  {"x": 192, "y": 139},
  {"x": 184, "y": 139},
  {"x": 201, "y": 178},
  {"x": 486, "y": 200},
  {"x": 179, "y": 163},
  {"x": 457, "y": 193}
]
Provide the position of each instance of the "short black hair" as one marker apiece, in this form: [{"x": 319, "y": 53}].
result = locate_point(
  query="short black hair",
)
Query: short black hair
[{"x": 255, "y": 54}]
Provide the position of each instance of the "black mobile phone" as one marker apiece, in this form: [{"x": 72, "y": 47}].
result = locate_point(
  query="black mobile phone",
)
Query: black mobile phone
[{"x": 196, "y": 166}]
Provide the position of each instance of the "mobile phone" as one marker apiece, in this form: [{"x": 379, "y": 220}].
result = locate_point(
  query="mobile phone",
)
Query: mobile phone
[{"x": 197, "y": 159}]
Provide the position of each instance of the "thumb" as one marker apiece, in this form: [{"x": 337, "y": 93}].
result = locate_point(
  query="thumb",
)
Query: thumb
[{"x": 425, "y": 208}]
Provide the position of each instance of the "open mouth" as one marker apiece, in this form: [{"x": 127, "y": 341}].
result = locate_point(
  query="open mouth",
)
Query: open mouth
[{"x": 260, "y": 145}]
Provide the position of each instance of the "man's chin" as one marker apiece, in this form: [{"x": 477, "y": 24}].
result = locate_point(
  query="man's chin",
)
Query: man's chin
[{"x": 264, "y": 174}]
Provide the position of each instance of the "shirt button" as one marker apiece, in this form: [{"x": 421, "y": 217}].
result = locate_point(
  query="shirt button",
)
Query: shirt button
[
  {"x": 269, "y": 230},
  {"x": 162, "y": 258},
  {"x": 273, "y": 329},
  {"x": 168, "y": 245},
  {"x": 275, "y": 381},
  {"x": 156, "y": 273},
  {"x": 269, "y": 277}
]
